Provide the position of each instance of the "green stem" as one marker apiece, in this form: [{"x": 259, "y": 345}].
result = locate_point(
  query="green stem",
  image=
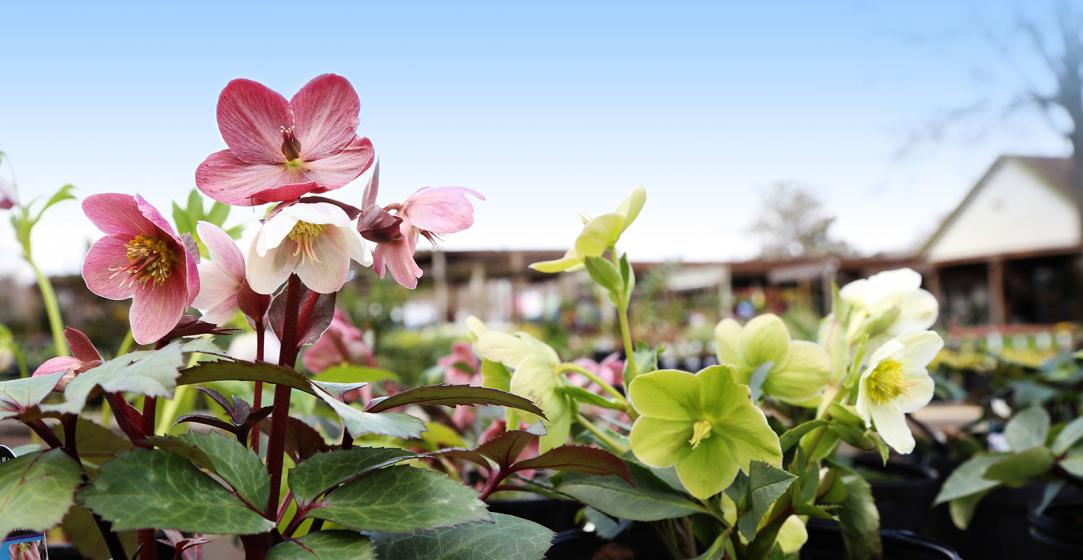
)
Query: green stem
[
  {"x": 52, "y": 307},
  {"x": 566, "y": 367},
  {"x": 601, "y": 435},
  {"x": 126, "y": 344},
  {"x": 625, "y": 328}
]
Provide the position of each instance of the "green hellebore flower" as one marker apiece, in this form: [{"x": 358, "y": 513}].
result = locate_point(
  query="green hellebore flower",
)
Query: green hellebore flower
[
  {"x": 798, "y": 370},
  {"x": 703, "y": 423},
  {"x": 535, "y": 375},
  {"x": 598, "y": 235}
]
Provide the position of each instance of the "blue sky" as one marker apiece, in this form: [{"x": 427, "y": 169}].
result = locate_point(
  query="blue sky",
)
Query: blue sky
[{"x": 550, "y": 109}]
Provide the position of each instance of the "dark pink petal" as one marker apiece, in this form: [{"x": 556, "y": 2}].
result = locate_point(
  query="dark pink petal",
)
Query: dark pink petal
[
  {"x": 191, "y": 272},
  {"x": 99, "y": 269},
  {"x": 251, "y": 117},
  {"x": 153, "y": 216},
  {"x": 441, "y": 210},
  {"x": 397, "y": 257},
  {"x": 7, "y": 195},
  {"x": 157, "y": 309},
  {"x": 325, "y": 113},
  {"x": 227, "y": 179},
  {"x": 339, "y": 168},
  {"x": 117, "y": 214}
]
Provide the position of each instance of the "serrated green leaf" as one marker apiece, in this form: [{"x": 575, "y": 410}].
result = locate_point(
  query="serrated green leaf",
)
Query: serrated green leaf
[
  {"x": 765, "y": 485},
  {"x": 1021, "y": 468},
  {"x": 454, "y": 395},
  {"x": 239, "y": 466},
  {"x": 506, "y": 538},
  {"x": 968, "y": 478},
  {"x": 649, "y": 499},
  {"x": 860, "y": 520},
  {"x": 161, "y": 490},
  {"x": 1027, "y": 429},
  {"x": 245, "y": 371},
  {"x": 19, "y": 395},
  {"x": 325, "y": 545},
  {"x": 1067, "y": 437},
  {"x": 195, "y": 204},
  {"x": 579, "y": 459},
  {"x": 36, "y": 490},
  {"x": 218, "y": 213},
  {"x": 359, "y": 422},
  {"x": 355, "y": 374},
  {"x": 151, "y": 372},
  {"x": 322, "y": 472},
  {"x": 401, "y": 500},
  {"x": 96, "y": 443}
]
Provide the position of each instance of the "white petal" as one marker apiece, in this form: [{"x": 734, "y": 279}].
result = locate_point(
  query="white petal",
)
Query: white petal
[
  {"x": 327, "y": 272},
  {"x": 920, "y": 348},
  {"x": 919, "y": 391},
  {"x": 273, "y": 231},
  {"x": 318, "y": 213},
  {"x": 890, "y": 349},
  {"x": 266, "y": 273},
  {"x": 891, "y": 425},
  {"x": 917, "y": 311},
  {"x": 356, "y": 246},
  {"x": 863, "y": 405}
]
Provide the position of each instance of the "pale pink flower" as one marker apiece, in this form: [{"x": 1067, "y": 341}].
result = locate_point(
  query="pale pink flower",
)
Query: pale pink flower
[
  {"x": 610, "y": 369},
  {"x": 461, "y": 367},
  {"x": 141, "y": 258},
  {"x": 315, "y": 240},
  {"x": 280, "y": 150},
  {"x": 224, "y": 289},
  {"x": 341, "y": 344},
  {"x": 430, "y": 212}
]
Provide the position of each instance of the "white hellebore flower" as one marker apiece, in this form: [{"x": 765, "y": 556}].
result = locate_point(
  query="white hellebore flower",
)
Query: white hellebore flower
[
  {"x": 889, "y": 304},
  {"x": 896, "y": 383},
  {"x": 314, "y": 240}
]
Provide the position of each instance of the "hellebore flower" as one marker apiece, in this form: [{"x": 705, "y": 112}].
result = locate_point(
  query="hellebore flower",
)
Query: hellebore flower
[
  {"x": 888, "y": 304},
  {"x": 598, "y": 235},
  {"x": 461, "y": 367},
  {"x": 224, "y": 290},
  {"x": 430, "y": 212},
  {"x": 896, "y": 383},
  {"x": 280, "y": 150},
  {"x": 535, "y": 375},
  {"x": 141, "y": 258},
  {"x": 796, "y": 370},
  {"x": 245, "y": 346},
  {"x": 703, "y": 423},
  {"x": 610, "y": 369},
  {"x": 341, "y": 344},
  {"x": 314, "y": 240},
  {"x": 7, "y": 195}
]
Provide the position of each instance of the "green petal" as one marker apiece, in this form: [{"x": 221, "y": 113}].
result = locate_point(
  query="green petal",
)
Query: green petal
[
  {"x": 727, "y": 339},
  {"x": 803, "y": 377},
  {"x": 559, "y": 413},
  {"x": 535, "y": 379},
  {"x": 668, "y": 394},
  {"x": 501, "y": 347},
  {"x": 708, "y": 469},
  {"x": 748, "y": 436},
  {"x": 631, "y": 206},
  {"x": 719, "y": 392},
  {"x": 765, "y": 339},
  {"x": 598, "y": 235},
  {"x": 660, "y": 443},
  {"x": 568, "y": 262}
]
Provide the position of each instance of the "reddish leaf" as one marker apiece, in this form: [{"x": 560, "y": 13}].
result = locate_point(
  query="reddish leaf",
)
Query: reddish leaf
[
  {"x": 302, "y": 440},
  {"x": 505, "y": 448},
  {"x": 454, "y": 395},
  {"x": 81, "y": 347},
  {"x": 577, "y": 458},
  {"x": 315, "y": 316},
  {"x": 465, "y": 454}
]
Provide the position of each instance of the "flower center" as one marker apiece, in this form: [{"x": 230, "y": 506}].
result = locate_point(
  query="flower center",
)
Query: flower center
[
  {"x": 886, "y": 381},
  {"x": 291, "y": 147},
  {"x": 304, "y": 234},
  {"x": 701, "y": 430},
  {"x": 150, "y": 259}
]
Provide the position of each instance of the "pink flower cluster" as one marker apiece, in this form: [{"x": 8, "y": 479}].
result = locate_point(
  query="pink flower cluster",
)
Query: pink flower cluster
[{"x": 278, "y": 151}]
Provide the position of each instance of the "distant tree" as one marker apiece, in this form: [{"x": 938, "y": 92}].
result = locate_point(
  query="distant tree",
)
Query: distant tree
[{"x": 794, "y": 223}]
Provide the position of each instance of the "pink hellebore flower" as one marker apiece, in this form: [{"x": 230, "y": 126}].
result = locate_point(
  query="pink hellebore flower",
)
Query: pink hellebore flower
[
  {"x": 224, "y": 289},
  {"x": 341, "y": 344},
  {"x": 610, "y": 369},
  {"x": 461, "y": 367},
  {"x": 141, "y": 258},
  {"x": 280, "y": 150},
  {"x": 430, "y": 212},
  {"x": 314, "y": 240},
  {"x": 7, "y": 195}
]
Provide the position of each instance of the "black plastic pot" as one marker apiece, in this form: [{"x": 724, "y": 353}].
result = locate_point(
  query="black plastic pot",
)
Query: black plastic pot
[
  {"x": 1058, "y": 532},
  {"x": 639, "y": 542},
  {"x": 825, "y": 543},
  {"x": 64, "y": 552},
  {"x": 904, "y": 493},
  {"x": 556, "y": 515}
]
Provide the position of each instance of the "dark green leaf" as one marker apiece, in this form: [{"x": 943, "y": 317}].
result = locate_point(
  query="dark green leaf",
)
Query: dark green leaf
[
  {"x": 649, "y": 499},
  {"x": 454, "y": 395},
  {"x": 1027, "y": 429},
  {"x": 579, "y": 459},
  {"x": 325, "y": 545},
  {"x": 244, "y": 371},
  {"x": 1021, "y": 468},
  {"x": 96, "y": 444},
  {"x": 359, "y": 422},
  {"x": 506, "y": 538},
  {"x": 19, "y": 395},
  {"x": 969, "y": 478},
  {"x": 790, "y": 437},
  {"x": 239, "y": 466},
  {"x": 161, "y": 490},
  {"x": 150, "y": 372},
  {"x": 860, "y": 520},
  {"x": 765, "y": 485},
  {"x": 322, "y": 472},
  {"x": 401, "y": 500},
  {"x": 36, "y": 490}
]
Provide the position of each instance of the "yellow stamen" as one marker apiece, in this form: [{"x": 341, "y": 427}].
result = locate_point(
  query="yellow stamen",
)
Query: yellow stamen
[
  {"x": 304, "y": 235},
  {"x": 887, "y": 381},
  {"x": 701, "y": 430},
  {"x": 150, "y": 260}
]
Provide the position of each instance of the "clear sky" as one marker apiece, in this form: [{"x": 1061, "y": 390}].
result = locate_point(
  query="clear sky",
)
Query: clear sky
[{"x": 550, "y": 109}]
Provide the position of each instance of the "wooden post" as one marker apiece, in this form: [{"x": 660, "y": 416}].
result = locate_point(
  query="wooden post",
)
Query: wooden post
[{"x": 995, "y": 282}]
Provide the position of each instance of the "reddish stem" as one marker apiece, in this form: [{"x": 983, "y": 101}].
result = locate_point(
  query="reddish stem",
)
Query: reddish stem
[
  {"x": 257, "y": 396},
  {"x": 146, "y": 536},
  {"x": 493, "y": 483},
  {"x": 276, "y": 444}
]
